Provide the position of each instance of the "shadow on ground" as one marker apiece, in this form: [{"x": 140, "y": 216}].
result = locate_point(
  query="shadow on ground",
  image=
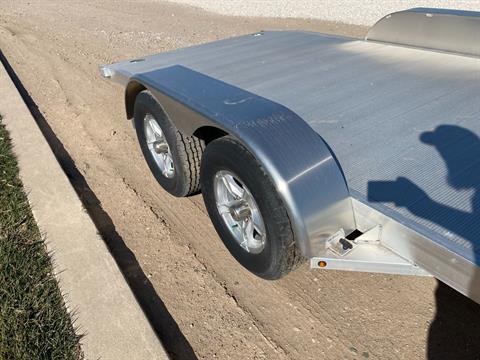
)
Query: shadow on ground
[
  {"x": 455, "y": 331},
  {"x": 162, "y": 322}
]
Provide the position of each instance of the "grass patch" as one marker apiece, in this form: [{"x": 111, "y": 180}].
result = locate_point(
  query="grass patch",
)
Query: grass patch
[{"x": 34, "y": 323}]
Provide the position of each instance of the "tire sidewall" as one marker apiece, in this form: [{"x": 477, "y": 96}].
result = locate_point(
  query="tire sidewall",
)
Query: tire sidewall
[
  {"x": 237, "y": 160},
  {"x": 146, "y": 104}
]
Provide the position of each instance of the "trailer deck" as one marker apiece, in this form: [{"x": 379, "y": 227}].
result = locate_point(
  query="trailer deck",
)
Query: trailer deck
[{"x": 403, "y": 122}]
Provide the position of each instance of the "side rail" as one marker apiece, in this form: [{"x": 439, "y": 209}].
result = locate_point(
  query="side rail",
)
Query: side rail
[
  {"x": 435, "y": 29},
  {"x": 305, "y": 172}
]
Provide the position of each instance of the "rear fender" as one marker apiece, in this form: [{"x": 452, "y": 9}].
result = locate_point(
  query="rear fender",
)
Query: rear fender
[{"x": 307, "y": 175}]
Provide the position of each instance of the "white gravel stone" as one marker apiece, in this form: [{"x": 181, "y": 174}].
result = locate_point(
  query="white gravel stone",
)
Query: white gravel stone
[{"x": 358, "y": 12}]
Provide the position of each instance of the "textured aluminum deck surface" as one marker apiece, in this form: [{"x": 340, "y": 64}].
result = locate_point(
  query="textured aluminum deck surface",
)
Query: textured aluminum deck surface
[{"x": 404, "y": 123}]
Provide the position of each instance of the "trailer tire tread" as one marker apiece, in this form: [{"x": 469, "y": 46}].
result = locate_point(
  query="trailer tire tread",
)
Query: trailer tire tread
[
  {"x": 190, "y": 151},
  {"x": 186, "y": 150}
]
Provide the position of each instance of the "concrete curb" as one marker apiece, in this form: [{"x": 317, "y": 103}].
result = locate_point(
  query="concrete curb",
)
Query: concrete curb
[{"x": 107, "y": 312}]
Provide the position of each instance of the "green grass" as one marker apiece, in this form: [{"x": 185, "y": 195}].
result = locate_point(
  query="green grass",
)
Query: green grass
[{"x": 34, "y": 323}]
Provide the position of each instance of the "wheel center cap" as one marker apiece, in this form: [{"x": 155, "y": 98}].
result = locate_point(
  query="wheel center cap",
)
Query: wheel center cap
[
  {"x": 160, "y": 147},
  {"x": 240, "y": 211}
]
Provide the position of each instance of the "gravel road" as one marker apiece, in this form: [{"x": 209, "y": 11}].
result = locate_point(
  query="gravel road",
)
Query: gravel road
[
  {"x": 199, "y": 300},
  {"x": 365, "y": 12}
]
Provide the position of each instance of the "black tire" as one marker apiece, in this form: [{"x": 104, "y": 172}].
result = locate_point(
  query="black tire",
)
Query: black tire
[
  {"x": 280, "y": 254},
  {"x": 186, "y": 150}
]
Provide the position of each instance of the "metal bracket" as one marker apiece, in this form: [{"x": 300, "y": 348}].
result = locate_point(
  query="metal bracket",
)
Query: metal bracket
[
  {"x": 372, "y": 236},
  {"x": 365, "y": 253},
  {"x": 340, "y": 245}
]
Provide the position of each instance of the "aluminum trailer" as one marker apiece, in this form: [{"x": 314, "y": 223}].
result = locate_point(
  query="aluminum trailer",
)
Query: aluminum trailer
[{"x": 359, "y": 155}]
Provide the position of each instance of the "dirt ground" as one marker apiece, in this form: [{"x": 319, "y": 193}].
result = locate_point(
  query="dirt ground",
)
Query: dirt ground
[{"x": 199, "y": 300}]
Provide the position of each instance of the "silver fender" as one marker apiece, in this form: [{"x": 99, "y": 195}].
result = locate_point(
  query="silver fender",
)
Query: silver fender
[
  {"x": 306, "y": 173},
  {"x": 436, "y": 29}
]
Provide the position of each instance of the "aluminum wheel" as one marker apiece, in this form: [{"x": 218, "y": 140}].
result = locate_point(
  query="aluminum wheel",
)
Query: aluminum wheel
[
  {"x": 158, "y": 146},
  {"x": 240, "y": 212}
]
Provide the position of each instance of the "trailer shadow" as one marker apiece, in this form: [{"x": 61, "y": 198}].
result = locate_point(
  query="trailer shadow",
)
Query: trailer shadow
[
  {"x": 455, "y": 330},
  {"x": 157, "y": 313}
]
